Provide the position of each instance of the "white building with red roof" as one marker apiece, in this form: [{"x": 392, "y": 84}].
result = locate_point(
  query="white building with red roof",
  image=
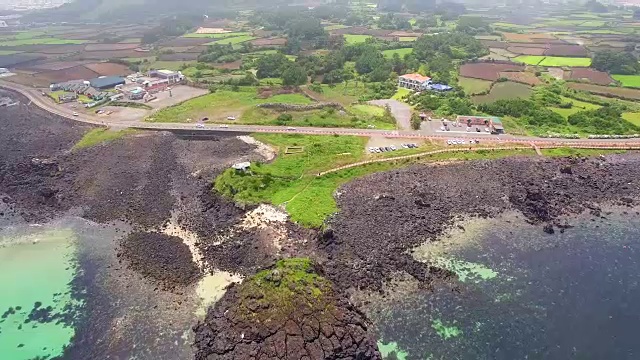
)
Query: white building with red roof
[{"x": 414, "y": 81}]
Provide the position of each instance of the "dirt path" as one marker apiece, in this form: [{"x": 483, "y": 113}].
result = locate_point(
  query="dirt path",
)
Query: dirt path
[{"x": 399, "y": 110}]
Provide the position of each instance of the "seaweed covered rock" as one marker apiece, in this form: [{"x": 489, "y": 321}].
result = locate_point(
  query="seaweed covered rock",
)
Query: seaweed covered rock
[{"x": 288, "y": 311}]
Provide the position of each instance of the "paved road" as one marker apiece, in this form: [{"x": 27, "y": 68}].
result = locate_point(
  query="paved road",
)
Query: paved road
[
  {"x": 401, "y": 111},
  {"x": 35, "y": 96}
]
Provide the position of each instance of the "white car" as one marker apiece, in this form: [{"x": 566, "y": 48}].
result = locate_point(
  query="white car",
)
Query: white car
[
  {"x": 224, "y": 126},
  {"x": 393, "y": 147},
  {"x": 231, "y": 118},
  {"x": 291, "y": 128},
  {"x": 200, "y": 126},
  {"x": 75, "y": 114}
]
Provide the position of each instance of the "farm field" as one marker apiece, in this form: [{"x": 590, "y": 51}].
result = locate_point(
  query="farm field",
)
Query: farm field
[
  {"x": 407, "y": 38},
  {"x": 473, "y": 86},
  {"x": 355, "y": 39},
  {"x": 552, "y": 61},
  {"x": 362, "y": 117},
  {"x": 218, "y": 36},
  {"x": 41, "y": 41},
  {"x": 487, "y": 71},
  {"x": 233, "y": 40},
  {"x": 608, "y": 91},
  {"x": 632, "y": 81},
  {"x": 633, "y": 118},
  {"x": 591, "y": 75},
  {"x": 503, "y": 90},
  {"x": 221, "y": 104},
  {"x": 521, "y": 77},
  {"x": 401, "y": 52}
]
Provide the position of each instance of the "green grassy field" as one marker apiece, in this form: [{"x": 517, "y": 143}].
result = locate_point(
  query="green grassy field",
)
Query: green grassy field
[
  {"x": 221, "y": 102},
  {"x": 504, "y": 90},
  {"x": 8, "y": 52},
  {"x": 510, "y": 26},
  {"x": 600, "y": 32},
  {"x": 407, "y": 38},
  {"x": 473, "y": 86},
  {"x": 577, "y": 106},
  {"x": 169, "y": 65},
  {"x": 363, "y": 117},
  {"x": 41, "y": 41},
  {"x": 355, "y": 39},
  {"x": 593, "y": 23},
  {"x": 100, "y": 136},
  {"x": 552, "y": 61},
  {"x": 633, "y": 118},
  {"x": 218, "y": 36},
  {"x": 342, "y": 93},
  {"x": 529, "y": 59},
  {"x": 401, "y": 52},
  {"x": 632, "y": 81},
  {"x": 233, "y": 40}
]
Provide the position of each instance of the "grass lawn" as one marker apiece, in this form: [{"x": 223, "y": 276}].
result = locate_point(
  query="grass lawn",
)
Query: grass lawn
[
  {"x": 217, "y": 36},
  {"x": 233, "y": 40},
  {"x": 593, "y": 23},
  {"x": 577, "y": 106},
  {"x": 632, "y": 81},
  {"x": 99, "y": 136},
  {"x": 511, "y": 26},
  {"x": 529, "y": 59},
  {"x": 633, "y": 118},
  {"x": 223, "y": 104},
  {"x": 552, "y": 60},
  {"x": 271, "y": 81},
  {"x": 8, "y": 52},
  {"x": 169, "y": 65},
  {"x": 407, "y": 38},
  {"x": 401, "y": 52},
  {"x": 355, "y": 39},
  {"x": 600, "y": 32},
  {"x": 504, "y": 90},
  {"x": 367, "y": 110},
  {"x": 473, "y": 86},
  {"x": 402, "y": 92},
  {"x": 342, "y": 93}
]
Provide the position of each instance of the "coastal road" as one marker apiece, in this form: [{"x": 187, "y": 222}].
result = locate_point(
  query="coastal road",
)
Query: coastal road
[{"x": 44, "y": 102}]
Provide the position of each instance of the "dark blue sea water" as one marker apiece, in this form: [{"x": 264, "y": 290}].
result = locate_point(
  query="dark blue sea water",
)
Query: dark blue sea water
[{"x": 525, "y": 294}]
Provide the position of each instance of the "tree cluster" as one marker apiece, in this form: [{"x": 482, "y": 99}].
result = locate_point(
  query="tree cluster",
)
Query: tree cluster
[
  {"x": 616, "y": 62},
  {"x": 605, "y": 120},
  {"x": 529, "y": 111}
]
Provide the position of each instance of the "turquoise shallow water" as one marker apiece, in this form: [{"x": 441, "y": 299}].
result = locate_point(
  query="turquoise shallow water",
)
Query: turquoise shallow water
[
  {"x": 37, "y": 304},
  {"x": 523, "y": 294}
]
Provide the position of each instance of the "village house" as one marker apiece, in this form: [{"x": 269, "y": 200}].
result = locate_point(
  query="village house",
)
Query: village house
[{"x": 415, "y": 82}]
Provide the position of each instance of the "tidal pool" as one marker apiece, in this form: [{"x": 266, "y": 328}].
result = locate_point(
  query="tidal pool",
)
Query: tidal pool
[{"x": 521, "y": 294}]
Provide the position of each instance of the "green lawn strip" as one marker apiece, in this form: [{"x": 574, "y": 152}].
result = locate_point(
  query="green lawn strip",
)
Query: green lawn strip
[
  {"x": 565, "y": 61},
  {"x": 565, "y": 151},
  {"x": 218, "y": 36},
  {"x": 221, "y": 101},
  {"x": 407, "y": 38},
  {"x": 632, "y": 81},
  {"x": 99, "y": 136},
  {"x": 577, "y": 106},
  {"x": 233, "y": 40},
  {"x": 633, "y": 118},
  {"x": 335, "y": 27},
  {"x": 355, "y": 39},
  {"x": 593, "y": 23},
  {"x": 402, "y": 92},
  {"x": 9, "y": 52},
  {"x": 401, "y": 52},
  {"x": 473, "y": 86}
]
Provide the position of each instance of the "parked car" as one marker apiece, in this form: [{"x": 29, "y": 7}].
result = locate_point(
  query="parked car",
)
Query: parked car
[
  {"x": 224, "y": 126},
  {"x": 200, "y": 126},
  {"x": 231, "y": 118},
  {"x": 405, "y": 146},
  {"x": 75, "y": 114},
  {"x": 291, "y": 128},
  {"x": 393, "y": 148}
]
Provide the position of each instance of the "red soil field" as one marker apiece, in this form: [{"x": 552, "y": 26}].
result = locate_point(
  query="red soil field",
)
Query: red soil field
[
  {"x": 179, "y": 57},
  {"x": 73, "y": 73},
  {"x": 270, "y": 42},
  {"x": 521, "y": 77},
  {"x": 527, "y": 37},
  {"x": 230, "y": 66},
  {"x": 180, "y": 41},
  {"x": 57, "y": 65},
  {"x": 487, "y": 70},
  {"x": 566, "y": 50},
  {"x": 526, "y": 50},
  {"x": 609, "y": 91},
  {"x": 109, "y": 69},
  {"x": 592, "y": 75}
]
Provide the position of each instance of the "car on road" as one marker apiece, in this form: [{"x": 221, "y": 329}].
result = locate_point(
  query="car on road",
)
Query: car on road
[
  {"x": 393, "y": 148},
  {"x": 372, "y": 149},
  {"x": 291, "y": 128},
  {"x": 231, "y": 118},
  {"x": 75, "y": 114},
  {"x": 200, "y": 126},
  {"x": 224, "y": 126}
]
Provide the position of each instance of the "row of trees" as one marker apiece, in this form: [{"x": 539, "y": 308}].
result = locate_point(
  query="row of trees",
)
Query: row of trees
[{"x": 623, "y": 63}]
